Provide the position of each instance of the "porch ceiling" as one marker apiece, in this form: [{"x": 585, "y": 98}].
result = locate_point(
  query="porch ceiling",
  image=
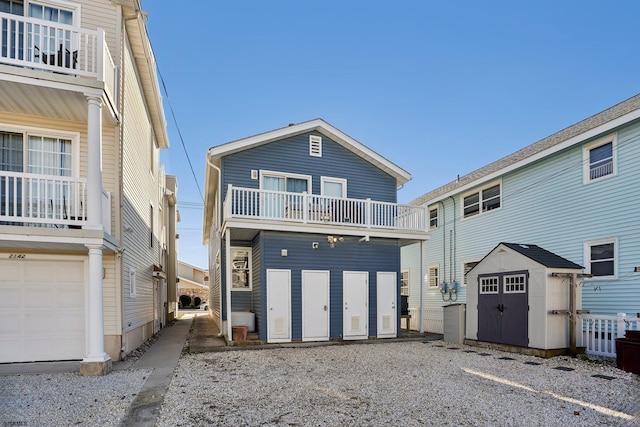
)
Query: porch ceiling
[{"x": 59, "y": 97}]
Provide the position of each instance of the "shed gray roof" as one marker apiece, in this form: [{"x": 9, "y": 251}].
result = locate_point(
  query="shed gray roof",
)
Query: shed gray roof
[
  {"x": 581, "y": 127},
  {"x": 542, "y": 256}
]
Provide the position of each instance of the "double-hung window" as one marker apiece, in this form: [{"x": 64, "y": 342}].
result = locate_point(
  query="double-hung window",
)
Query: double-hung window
[
  {"x": 404, "y": 282},
  {"x": 483, "y": 200},
  {"x": 599, "y": 159},
  {"x": 240, "y": 269},
  {"x": 433, "y": 217},
  {"x": 601, "y": 258}
]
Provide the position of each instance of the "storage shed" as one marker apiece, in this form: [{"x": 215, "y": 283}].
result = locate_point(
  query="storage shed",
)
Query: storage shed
[{"x": 511, "y": 295}]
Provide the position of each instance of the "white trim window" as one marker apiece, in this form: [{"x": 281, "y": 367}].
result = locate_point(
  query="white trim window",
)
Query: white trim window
[
  {"x": 404, "y": 282},
  {"x": 599, "y": 159},
  {"x": 601, "y": 258},
  {"x": 315, "y": 146},
  {"x": 433, "y": 276},
  {"x": 466, "y": 267},
  {"x": 240, "y": 269},
  {"x": 433, "y": 217},
  {"x": 132, "y": 283},
  {"x": 515, "y": 284},
  {"x": 482, "y": 200},
  {"x": 281, "y": 181},
  {"x": 489, "y": 285},
  {"x": 333, "y": 187}
]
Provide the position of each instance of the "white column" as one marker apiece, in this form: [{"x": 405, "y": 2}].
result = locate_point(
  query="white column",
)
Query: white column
[
  {"x": 228, "y": 278},
  {"x": 94, "y": 162},
  {"x": 95, "y": 326}
]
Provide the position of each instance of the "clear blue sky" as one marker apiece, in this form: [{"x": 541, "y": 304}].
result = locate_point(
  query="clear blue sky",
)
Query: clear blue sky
[{"x": 439, "y": 88}]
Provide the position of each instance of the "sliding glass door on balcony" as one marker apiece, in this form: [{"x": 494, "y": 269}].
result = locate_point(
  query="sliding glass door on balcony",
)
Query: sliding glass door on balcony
[
  {"x": 279, "y": 204},
  {"x": 36, "y": 179}
]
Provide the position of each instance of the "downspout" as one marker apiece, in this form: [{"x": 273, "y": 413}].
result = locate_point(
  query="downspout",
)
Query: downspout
[{"x": 120, "y": 208}]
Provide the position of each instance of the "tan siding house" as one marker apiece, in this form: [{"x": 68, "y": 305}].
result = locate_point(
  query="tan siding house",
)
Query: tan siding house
[{"x": 87, "y": 215}]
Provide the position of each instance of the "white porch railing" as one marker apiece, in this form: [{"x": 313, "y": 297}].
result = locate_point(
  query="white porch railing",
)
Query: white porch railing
[
  {"x": 48, "y": 201},
  {"x": 311, "y": 208},
  {"x": 598, "y": 332},
  {"x": 46, "y": 45}
]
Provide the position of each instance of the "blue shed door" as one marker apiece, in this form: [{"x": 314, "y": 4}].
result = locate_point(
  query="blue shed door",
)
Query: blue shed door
[
  {"x": 315, "y": 305},
  {"x": 278, "y": 305},
  {"x": 355, "y": 291},
  {"x": 386, "y": 290}
]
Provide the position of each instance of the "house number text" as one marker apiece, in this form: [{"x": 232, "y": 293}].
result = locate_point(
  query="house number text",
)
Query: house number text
[{"x": 17, "y": 256}]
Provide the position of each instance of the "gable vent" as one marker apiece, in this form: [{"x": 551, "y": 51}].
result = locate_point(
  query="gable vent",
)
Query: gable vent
[{"x": 315, "y": 146}]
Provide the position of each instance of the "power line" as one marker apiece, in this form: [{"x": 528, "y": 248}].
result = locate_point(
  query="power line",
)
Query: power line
[{"x": 175, "y": 121}]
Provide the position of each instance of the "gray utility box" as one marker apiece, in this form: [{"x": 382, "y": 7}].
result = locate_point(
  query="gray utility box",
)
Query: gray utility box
[{"x": 454, "y": 322}]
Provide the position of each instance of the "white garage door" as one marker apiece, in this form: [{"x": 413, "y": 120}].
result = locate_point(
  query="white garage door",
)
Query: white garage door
[{"x": 41, "y": 310}]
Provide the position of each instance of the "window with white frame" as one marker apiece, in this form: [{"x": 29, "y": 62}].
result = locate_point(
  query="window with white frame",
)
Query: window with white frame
[
  {"x": 433, "y": 277},
  {"x": 466, "y": 267},
  {"x": 483, "y": 200},
  {"x": 601, "y": 258},
  {"x": 132, "y": 283},
  {"x": 599, "y": 159},
  {"x": 333, "y": 187},
  {"x": 433, "y": 217},
  {"x": 240, "y": 269},
  {"x": 315, "y": 146},
  {"x": 489, "y": 285},
  {"x": 404, "y": 282},
  {"x": 515, "y": 284}
]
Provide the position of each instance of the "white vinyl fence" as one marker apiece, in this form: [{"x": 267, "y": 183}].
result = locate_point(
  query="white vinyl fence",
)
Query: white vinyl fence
[
  {"x": 433, "y": 320},
  {"x": 598, "y": 332}
]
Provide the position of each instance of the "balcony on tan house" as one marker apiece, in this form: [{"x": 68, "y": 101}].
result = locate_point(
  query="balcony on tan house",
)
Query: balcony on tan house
[{"x": 52, "y": 72}]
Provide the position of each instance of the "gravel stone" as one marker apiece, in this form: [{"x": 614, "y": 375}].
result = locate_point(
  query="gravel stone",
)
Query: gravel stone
[
  {"x": 404, "y": 383},
  {"x": 65, "y": 399}
]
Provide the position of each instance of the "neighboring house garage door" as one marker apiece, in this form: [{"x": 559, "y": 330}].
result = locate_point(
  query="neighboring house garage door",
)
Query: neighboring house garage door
[{"x": 41, "y": 309}]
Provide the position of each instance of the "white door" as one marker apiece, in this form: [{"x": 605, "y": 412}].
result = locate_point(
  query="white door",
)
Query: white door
[
  {"x": 41, "y": 309},
  {"x": 386, "y": 304},
  {"x": 278, "y": 305},
  {"x": 355, "y": 285},
  {"x": 315, "y": 305}
]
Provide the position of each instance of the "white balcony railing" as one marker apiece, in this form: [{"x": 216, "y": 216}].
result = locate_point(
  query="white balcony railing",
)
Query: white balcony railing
[
  {"x": 45, "y": 45},
  {"x": 47, "y": 201},
  {"x": 310, "y": 208}
]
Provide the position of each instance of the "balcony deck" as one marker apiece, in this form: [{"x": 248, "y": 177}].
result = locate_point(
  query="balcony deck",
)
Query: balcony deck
[
  {"x": 57, "y": 49},
  {"x": 358, "y": 215},
  {"x": 34, "y": 200}
]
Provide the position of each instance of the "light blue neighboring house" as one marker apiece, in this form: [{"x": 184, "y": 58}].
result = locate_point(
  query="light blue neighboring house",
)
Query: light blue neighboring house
[
  {"x": 574, "y": 193},
  {"x": 304, "y": 234}
]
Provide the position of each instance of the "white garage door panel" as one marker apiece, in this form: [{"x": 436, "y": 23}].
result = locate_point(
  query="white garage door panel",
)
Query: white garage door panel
[
  {"x": 8, "y": 297},
  {"x": 42, "y": 310}
]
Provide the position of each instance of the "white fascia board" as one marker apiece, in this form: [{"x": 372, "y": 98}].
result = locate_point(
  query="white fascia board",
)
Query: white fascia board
[
  {"x": 191, "y": 282},
  {"x": 324, "y": 229},
  {"x": 607, "y": 127}
]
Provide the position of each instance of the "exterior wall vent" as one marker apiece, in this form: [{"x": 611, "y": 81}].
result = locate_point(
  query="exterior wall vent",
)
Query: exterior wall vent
[{"x": 315, "y": 146}]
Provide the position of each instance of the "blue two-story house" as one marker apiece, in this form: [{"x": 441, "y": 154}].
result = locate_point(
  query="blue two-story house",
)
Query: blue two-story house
[
  {"x": 573, "y": 193},
  {"x": 304, "y": 234}
]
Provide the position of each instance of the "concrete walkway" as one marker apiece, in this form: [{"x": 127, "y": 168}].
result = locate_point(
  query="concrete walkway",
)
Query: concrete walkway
[{"x": 162, "y": 357}]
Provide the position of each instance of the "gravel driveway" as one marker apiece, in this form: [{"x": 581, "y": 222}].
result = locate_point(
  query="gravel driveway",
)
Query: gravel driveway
[{"x": 408, "y": 384}]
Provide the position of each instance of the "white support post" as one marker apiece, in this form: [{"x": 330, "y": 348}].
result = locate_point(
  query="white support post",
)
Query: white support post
[
  {"x": 94, "y": 163},
  {"x": 421, "y": 326},
  {"x": 368, "y": 213},
  {"x": 96, "y": 362},
  {"x": 228, "y": 278},
  {"x": 621, "y": 326}
]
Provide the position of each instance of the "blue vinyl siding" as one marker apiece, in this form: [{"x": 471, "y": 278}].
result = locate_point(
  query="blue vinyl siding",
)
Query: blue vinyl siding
[
  {"x": 291, "y": 155},
  {"x": 349, "y": 255},
  {"x": 256, "y": 279},
  {"x": 546, "y": 203}
]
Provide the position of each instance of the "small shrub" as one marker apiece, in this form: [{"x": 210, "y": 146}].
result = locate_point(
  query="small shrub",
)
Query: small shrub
[{"x": 185, "y": 300}]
